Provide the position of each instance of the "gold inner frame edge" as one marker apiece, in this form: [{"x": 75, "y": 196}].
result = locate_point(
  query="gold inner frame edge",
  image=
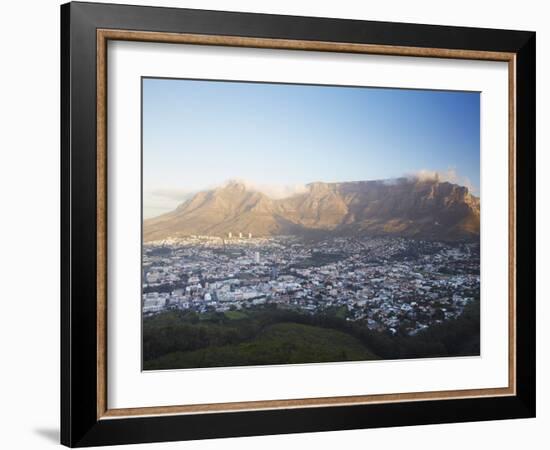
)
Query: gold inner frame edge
[{"x": 103, "y": 36}]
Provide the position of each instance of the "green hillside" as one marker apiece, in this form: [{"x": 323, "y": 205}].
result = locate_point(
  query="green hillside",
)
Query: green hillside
[
  {"x": 282, "y": 343},
  {"x": 272, "y": 335}
]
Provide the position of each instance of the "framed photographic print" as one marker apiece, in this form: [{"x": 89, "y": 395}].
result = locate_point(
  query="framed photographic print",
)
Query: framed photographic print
[{"x": 277, "y": 224}]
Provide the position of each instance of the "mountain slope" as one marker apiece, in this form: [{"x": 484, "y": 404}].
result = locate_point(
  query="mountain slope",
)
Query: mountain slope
[{"x": 404, "y": 207}]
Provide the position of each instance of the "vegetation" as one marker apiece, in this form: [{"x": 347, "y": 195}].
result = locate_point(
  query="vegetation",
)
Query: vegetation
[
  {"x": 282, "y": 343},
  {"x": 318, "y": 259},
  {"x": 271, "y": 335}
]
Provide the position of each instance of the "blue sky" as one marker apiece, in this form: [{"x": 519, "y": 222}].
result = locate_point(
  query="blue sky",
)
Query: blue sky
[{"x": 199, "y": 134}]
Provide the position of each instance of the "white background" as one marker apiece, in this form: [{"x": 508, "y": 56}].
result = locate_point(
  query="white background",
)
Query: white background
[
  {"x": 29, "y": 186},
  {"x": 129, "y": 387}
]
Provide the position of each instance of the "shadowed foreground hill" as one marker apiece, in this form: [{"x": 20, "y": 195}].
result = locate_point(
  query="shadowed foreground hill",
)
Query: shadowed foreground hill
[
  {"x": 270, "y": 335},
  {"x": 407, "y": 207},
  {"x": 282, "y": 343}
]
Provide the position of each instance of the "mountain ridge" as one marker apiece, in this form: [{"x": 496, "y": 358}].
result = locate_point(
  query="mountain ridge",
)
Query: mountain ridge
[{"x": 408, "y": 207}]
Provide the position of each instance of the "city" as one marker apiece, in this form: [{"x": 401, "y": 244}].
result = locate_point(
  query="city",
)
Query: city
[{"x": 388, "y": 284}]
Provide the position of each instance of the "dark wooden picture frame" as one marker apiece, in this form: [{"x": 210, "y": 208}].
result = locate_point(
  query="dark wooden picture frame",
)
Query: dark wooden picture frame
[{"x": 85, "y": 417}]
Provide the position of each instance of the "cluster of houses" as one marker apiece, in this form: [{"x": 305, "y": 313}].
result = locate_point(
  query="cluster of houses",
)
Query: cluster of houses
[{"x": 391, "y": 284}]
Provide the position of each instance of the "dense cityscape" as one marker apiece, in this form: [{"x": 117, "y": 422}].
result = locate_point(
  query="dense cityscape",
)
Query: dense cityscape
[{"x": 390, "y": 284}]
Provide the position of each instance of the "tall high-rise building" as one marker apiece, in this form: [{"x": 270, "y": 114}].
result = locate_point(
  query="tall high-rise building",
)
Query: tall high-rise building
[
  {"x": 257, "y": 257},
  {"x": 249, "y": 235},
  {"x": 240, "y": 235},
  {"x": 230, "y": 235}
]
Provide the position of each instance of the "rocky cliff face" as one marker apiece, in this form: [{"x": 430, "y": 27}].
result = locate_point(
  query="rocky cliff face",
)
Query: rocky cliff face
[{"x": 427, "y": 209}]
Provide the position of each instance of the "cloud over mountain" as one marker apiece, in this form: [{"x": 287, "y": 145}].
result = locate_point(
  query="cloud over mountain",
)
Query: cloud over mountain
[{"x": 418, "y": 206}]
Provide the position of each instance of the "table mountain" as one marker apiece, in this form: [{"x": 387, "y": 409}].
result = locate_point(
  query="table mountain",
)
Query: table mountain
[{"x": 408, "y": 207}]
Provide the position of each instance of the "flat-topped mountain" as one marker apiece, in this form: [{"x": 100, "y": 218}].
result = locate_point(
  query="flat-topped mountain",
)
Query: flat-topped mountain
[{"x": 408, "y": 207}]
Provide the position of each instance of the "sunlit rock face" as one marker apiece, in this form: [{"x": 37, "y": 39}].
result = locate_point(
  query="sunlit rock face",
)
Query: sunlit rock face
[{"x": 408, "y": 207}]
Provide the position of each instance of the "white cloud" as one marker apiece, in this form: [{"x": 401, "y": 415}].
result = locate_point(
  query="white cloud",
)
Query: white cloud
[
  {"x": 173, "y": 193},
  {"x": 450, "y": 175},
  {"x": 160, "y": 201},
  {"x": 275, "y": 191}
]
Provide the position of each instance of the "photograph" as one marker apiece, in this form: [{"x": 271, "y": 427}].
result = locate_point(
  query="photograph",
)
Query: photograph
[{"x": 294, "y": 224}]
